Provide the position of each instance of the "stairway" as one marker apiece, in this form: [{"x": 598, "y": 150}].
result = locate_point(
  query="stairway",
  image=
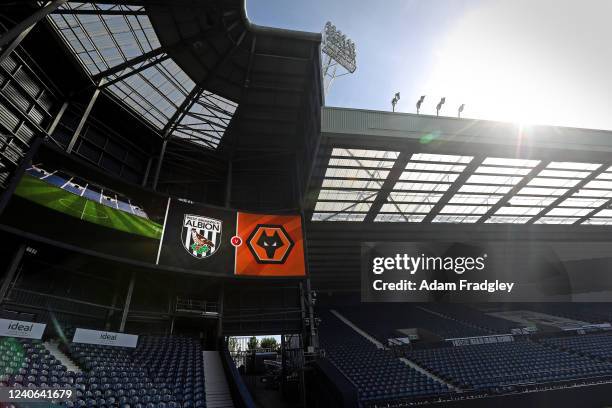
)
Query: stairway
[
  {"x": 353, "y": 326},
  {"x": 215, "y": 383},
  {"x": 53, "y": 347}
]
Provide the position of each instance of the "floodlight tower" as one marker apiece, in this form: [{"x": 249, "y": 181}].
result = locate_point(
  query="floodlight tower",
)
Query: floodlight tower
[{"x": 338, "y": 55}]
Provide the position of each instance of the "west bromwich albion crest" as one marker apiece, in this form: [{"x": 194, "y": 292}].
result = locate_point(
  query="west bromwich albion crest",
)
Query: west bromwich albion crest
[{"x": 201, "y": 236}]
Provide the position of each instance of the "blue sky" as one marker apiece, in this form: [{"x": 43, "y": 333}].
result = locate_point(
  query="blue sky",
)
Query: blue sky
[{"x": 528, "y": 61}]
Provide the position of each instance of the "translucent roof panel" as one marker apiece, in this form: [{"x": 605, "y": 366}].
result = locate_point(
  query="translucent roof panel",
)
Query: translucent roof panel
[
  {"x": 155, "y": 88},
  {"x": 447, "y": 188},
  {"x": 352, "y": 180}
]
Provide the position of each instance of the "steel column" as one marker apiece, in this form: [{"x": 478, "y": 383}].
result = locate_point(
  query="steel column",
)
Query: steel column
[
  {"x": 57, "y": 118},
  {"x": 158, "y": 166},
  {"x": 128, "y": 300},
  {"x": 84, "y": 118}
]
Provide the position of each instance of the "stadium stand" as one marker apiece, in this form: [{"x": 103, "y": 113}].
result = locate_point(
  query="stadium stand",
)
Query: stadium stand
[
  {"x": 507, "y": 367},
  {"x": 162, "y": 372},
  {"x": 26, "y": 363},
  {"x": 376, "y": 373},
  {"x": 383, "y": 320},
  {"x": 471, "y": 317},
  {"x": 594, "y": 345}
]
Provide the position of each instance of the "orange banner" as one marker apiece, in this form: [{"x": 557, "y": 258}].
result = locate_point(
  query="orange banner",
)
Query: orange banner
[{"x": 269, "y": 245}]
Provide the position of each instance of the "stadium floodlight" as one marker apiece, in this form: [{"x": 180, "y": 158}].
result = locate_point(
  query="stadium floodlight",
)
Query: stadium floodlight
[
  {"x": 338, "y": 51},
  {"x": 394, "y": 101},
  {"x": 461, "y": 107},
  {"x": 439, "y": 106},
  {"x": 419, "y": 103}
]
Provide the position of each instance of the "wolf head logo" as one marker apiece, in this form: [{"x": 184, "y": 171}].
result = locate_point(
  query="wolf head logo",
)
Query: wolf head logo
[{"x": 270, "y": 243}]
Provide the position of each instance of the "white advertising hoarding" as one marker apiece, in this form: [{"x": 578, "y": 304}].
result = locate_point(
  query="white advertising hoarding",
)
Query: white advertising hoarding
[
  {"x": 104, "y": 338},
  {"x": 18, "y": 328}
]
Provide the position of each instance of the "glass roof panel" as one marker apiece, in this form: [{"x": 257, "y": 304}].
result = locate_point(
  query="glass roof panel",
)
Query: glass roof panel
[
  {"x": 593, "y": 193},
  {"x": 420, "y": 186},
  {"x": 498, "y": 180},
  {"x": 502, "y": 161},
  {"x": 458, "y": 168},
  {"x": 513, "y": 171},
  {"x": 464, "y": 209},
  {"x": 531, "y": 201},
  {"x": 507, "y": 220},
  {"x": 398, "y": 218},
  {"x": 347, "y": 195},
  {"x": 573, "y": 166},
  {"x": 557, "y": 220},
  {"x": 598, "y": 221},
  {"x": 101, "y": 42},
  {"x": 497, "y": 190},
  {"x": 336, "y": 162},
  {"x": 445, "y": 158},
  {"x": 347, "y": 183},
  {"x": 406, "y": 208},
  {"x": 599, "y": 184},
  {"x": 485, "y": 199},
  {"x": 604, "y": 213},
  {"x": 552, "y": 182},
  {"x": 571, "y": 212},
  {"x": 326, "y": 206},
  {"x": 398, "y": 196},
  {"x": 582, "y": 202},
  {"x": 518, "y": 210},
  {"x": 356, "y": 173},
  {"x": 353, "y": 217},
  {"x": 416, "y": 176},
  {"x": 456, "y": 218},
  {"x": 467, "y": 188}
]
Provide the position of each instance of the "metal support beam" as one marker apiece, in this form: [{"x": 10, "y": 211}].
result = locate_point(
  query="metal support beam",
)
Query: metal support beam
[
  {"x": 594, "y": 211},
  {"x": 147, "y": 170},
  {"x": 111, "y": 311},
  {"x": 570, "y": 192},
  {"x": 57, "y": 118},
  {"x": 387, "y": 185},
  {"x": 134, "y": 71},
  {"x": 101, "y": 12},
  {"x": 158, "y": 166},
  {"x": 513, "y": 191},
  {"x": 79, "y": 128},
  {"x": 10, "y": 272},
  {"x": 8, "y": 50},
  {"x": 454, "y": 188},
  {"x": 29, "y": 22},
  {"x": 128, "y": 300},
  {"x": 124, "y": 65}
]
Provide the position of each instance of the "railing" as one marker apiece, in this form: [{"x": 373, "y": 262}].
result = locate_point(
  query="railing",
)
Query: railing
[{"x": 195, "y": 306}]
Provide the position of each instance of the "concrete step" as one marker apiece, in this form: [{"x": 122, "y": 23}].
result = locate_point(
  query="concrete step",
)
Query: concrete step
[
  {"x": 218, "y": 394},
  {"x": 53, "y": 347}
]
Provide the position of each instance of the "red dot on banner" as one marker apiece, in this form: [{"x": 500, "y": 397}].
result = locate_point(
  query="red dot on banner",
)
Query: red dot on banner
[{"x": 236, "y": 241}]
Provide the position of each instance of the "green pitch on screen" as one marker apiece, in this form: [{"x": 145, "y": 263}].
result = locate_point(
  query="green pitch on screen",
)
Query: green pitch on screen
[{"x": 60, "y": 200}]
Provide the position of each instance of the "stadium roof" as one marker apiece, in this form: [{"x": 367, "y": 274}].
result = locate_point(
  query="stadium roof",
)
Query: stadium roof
[
  {"x": 431, "y": 178},
  {"x": 186, "y": 70},
  {"x": 395, "y": 177}
]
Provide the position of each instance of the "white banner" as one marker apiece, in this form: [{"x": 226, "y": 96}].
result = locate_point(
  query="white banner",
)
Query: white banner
[
  {"x": 104, "y": 338},
  {"x": 18, "y": 328}
]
